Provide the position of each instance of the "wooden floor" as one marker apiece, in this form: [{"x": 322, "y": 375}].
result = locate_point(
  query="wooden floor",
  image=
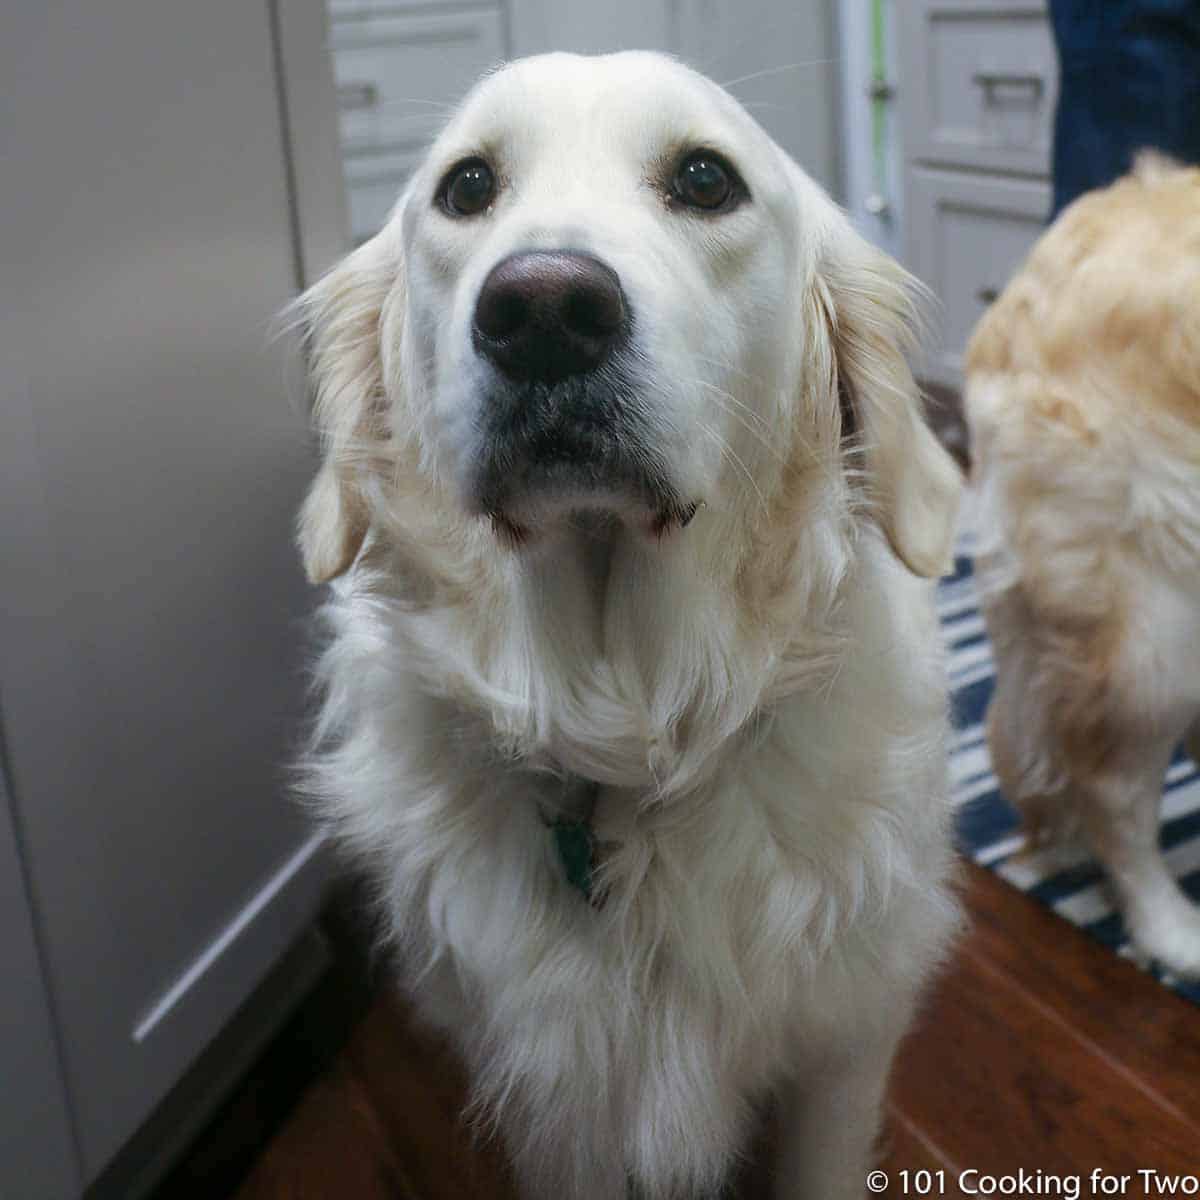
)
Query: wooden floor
[{"x": 1038, "y": 1051}]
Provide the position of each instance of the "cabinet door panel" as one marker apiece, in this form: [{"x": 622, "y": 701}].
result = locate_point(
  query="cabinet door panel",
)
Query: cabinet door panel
[
  {"x": 398, "y": 75},
  {"x": 37, "y": 1158},
  {"x": 967, "y": 234},
  {"x": 980, "y": 84},
  {"x": 151, "y": 466}
]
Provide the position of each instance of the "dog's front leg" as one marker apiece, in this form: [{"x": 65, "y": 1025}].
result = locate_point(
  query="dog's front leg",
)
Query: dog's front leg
[{"x": 828, "y": 1125}]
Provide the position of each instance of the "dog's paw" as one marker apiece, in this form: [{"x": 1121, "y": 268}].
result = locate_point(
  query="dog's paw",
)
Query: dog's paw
[{"x": 1170, "y": 935}]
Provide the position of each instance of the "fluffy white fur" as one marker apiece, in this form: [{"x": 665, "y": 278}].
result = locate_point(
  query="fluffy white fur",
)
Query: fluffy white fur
[
  {"x": 759, "y": 697},
  {"x": 1083, "y": 400}
]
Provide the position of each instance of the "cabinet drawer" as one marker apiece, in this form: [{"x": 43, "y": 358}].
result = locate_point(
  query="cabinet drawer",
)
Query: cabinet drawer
[
  {"x": 983, "y": 84},
  {"x": 967, "y": 235},
  {"x": 373, "y": 185},
  {"x": 340, "y": 9},
  {"x": 398, "y": 74}
]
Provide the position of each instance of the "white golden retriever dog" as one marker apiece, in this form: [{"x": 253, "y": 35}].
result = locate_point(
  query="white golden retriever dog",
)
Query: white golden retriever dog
[
  {"x": 1084, "y": 405},
  {"x": 633, "y": 697}
]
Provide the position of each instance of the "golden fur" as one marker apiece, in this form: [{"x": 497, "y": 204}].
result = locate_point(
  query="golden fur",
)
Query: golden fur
[{"x": 1083, "y": 399}]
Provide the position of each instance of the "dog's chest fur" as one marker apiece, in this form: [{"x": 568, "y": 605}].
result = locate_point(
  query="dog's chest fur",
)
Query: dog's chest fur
[{"x": 781, "y": 910}]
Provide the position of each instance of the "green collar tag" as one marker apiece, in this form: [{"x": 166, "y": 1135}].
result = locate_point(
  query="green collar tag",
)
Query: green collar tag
[{"x": 576, "y": 846}]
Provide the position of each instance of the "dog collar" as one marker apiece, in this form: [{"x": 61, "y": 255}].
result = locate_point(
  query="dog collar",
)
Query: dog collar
[
  {"x": 576, "y": 844},
  {"x": 574, "y": 838}
]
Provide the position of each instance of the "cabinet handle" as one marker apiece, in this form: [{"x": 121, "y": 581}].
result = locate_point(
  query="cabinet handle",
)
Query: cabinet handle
[
  {"x": 991, "y": 80},
  {"x": 987, "y": 295},
  {"x": 354, "y": 96}
]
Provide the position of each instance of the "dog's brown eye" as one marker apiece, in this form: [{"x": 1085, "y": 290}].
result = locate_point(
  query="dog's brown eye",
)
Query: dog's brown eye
[
  {"x": 469, "y": 188},
  {"x": 704, "y": 181}
]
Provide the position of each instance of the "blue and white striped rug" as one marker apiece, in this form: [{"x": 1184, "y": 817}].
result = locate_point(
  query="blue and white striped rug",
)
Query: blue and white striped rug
[{"x": 989, "y": 828}]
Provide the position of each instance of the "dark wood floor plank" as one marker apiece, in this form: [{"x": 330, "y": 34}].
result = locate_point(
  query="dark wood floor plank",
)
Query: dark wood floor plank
[
  {"x": 1144, "y": 1028},
  {"x": 419, "y": 1090},
  {"x": 906, "y": 1152},
  {"x": 1038, "y": 1049},
  {"x": 333, "y": 1147},
  {"x": 994, "y": 1079}
]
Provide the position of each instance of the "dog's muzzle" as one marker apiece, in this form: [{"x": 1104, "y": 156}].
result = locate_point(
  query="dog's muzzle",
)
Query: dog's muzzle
[{"x": 563, "y": 419}]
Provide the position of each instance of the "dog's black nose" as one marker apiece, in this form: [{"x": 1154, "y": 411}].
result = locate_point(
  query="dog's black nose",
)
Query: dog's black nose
[{"x": 546, "y": 314}]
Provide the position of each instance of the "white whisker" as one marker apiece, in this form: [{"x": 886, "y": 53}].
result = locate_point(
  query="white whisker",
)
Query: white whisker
[
  {"x": 728, "y": 451},
  {"x": 812, "y": 62}
]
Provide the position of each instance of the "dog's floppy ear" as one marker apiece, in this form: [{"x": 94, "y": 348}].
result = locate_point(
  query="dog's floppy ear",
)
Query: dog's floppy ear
[
  {"x": 341, "y": 316},
  {"x": 912, "y": 480}
]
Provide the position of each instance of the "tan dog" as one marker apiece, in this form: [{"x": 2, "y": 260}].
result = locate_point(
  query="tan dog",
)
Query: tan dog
[
  {"x": 634, "y": 698},
  {"x": 1083, "y": 399}
]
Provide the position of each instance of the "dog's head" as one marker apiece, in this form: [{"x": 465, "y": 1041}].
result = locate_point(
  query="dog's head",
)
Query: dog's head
[{"x": 607, "y": 289}]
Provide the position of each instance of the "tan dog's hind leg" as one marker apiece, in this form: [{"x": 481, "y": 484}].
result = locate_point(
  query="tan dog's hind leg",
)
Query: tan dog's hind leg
[
  {"x": 1119, "y": 810},
  {"x": 1143, "y": 704},
  {"x": 1117, "y": 743},
  {"x": 1081, "y": 730}
]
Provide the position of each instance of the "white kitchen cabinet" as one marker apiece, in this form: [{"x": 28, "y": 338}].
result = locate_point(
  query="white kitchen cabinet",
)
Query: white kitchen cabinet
[
  {"x": 968, "y": 233},
  {"x": 978, "y": 88},
  {"x": 151, "y": 642},
  {"x": 398, "y": 71},
  {"x": 981, "y": 84},
  {"x": 37, "y": 1154}
]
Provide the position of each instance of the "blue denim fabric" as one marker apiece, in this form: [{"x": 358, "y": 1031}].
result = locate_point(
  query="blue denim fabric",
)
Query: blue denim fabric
[{"x": 1130, "y": 78}]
